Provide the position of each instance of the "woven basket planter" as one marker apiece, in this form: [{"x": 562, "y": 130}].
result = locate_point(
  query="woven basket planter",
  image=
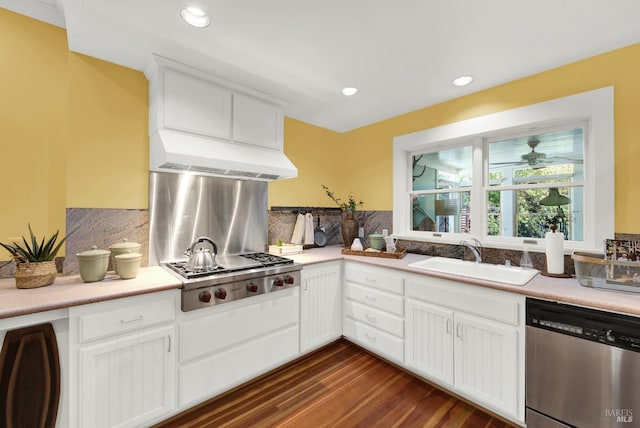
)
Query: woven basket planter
[{"x": 34, "y": 275}]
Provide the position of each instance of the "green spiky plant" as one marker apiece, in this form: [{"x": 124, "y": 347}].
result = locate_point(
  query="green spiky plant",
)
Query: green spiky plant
[{"x": 35, "y": 251}]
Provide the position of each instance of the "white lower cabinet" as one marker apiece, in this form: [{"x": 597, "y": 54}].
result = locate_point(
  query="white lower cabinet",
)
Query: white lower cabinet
[
  {"x": 320, "y": 305},
  {"x": 127, "y": 381},
  {"x": 478, "y": 355},
  {"x": 124, "y": 360},
  {"x": 223, "y": 347},
  {"x": 374, "y": 309}
]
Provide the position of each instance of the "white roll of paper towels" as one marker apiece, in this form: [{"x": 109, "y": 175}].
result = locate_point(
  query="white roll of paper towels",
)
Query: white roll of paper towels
[{"x": 554, "y": 248}]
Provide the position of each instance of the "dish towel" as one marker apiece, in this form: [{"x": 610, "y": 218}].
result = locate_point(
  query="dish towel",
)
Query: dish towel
[
  {"x": 308, "y": 229},
  {"x": 298, "y": 230}
]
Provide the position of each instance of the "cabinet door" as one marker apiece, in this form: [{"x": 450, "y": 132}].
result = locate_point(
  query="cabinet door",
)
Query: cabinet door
[
  {"x": 429, "y": 341},
  {"x": 486, "y": 361},
  {"x": 257, "y": 122},
  {"x": 320, "y": 306},
  {"x": 196, "y": 105},
  {"x": 128, "y": 381}
]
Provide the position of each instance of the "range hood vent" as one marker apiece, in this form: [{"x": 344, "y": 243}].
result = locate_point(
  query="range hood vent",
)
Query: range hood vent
[
  {"x": 175, "y": 151},
  {"x": 203, "y": 125}
]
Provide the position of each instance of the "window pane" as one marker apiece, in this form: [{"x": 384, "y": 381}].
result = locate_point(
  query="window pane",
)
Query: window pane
[
  {"x": 444, "y": 212},
  {"x": 528, "y": 213},
  {"x": 446, "y": 169},
  {"x": 549, "y": 157}
]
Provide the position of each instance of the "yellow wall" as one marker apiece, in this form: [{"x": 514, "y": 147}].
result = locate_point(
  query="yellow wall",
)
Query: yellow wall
[
  {"x": 371, "y": 175},
  {"x": 74, "y": 130}
]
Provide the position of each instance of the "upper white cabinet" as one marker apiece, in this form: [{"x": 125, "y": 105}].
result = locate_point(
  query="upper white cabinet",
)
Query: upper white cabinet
[
  {"x": 257, "y": 122},
  {"x": 190, "y": 100},
  {"x": 320, "y": 305},
  {"x": 196, "y": 105}
]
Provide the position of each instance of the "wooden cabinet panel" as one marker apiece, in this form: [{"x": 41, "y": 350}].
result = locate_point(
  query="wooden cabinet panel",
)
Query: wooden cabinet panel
[{"x": 256, "y": 122}]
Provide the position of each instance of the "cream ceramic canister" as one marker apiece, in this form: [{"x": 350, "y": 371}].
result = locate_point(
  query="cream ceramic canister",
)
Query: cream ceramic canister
[
  {"x": 93, "y": 264},
  {"x": 122, "y": 247},
  {"x": 376, "y": 241},
  {"x": 128, "y": 265}
]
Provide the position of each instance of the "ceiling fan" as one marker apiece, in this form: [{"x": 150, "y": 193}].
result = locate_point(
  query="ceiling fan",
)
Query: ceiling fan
[{"x": 537, "y": 160}]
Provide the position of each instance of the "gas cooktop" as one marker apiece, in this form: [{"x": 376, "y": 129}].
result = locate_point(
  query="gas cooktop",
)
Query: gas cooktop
[{"x": 227, "y": 264}]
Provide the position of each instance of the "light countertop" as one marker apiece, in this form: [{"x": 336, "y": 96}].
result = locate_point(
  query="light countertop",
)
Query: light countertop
[
  {"x": 71, "y": 291},
  {"x": 562, "y": 290}
]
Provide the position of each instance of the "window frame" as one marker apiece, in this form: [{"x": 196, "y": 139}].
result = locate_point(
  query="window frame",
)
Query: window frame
[{"x": 593, "y": 107}]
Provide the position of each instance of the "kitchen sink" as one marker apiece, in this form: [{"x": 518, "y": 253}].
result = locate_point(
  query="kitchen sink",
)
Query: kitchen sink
[{"x": 485, "y": 271}]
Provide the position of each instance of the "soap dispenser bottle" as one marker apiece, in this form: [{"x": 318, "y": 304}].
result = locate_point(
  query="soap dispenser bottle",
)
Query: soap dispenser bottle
[{"x": 525, "y": 260}]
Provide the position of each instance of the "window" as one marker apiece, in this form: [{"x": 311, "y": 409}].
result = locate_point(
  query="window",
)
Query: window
[{"x": 504, "y": 178}]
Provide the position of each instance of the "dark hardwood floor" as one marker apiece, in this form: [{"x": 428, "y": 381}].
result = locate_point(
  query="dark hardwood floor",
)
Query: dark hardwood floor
[{"x": 339, "y": 386}]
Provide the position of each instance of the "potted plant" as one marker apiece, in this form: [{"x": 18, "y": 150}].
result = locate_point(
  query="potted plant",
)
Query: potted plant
[
  {"x": 349, "y": 224},
  {"x": 35, "y": 264}
]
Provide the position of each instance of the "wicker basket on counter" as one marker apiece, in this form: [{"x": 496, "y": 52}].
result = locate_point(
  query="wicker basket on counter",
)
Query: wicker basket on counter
[{"x": 35, "y": 274}]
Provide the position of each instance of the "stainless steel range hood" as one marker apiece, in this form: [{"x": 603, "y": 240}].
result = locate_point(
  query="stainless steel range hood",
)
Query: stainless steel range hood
[
  {"x": 182, "y": 152},
  {"x": 201, "y": 124}
]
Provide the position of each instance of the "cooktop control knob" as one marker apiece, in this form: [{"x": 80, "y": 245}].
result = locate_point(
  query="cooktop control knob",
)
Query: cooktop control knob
[
  {"x": 278, "y": 282},
  {"x": 289, "y": 279},
  {"x": 252, "y": 288},
  {"x": 205, "y": 297},
  {"x": 221, "y": 293}
]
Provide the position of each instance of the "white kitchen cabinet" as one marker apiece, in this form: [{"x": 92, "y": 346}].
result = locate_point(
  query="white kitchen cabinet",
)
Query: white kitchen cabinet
[
  {"x": 374, "y": 309},
  {"x": 185, "y": 99},
  {"x": 127, "y": 381},
  {"x": 257, "y": 122},
  {"x": 479, "y": 355},
  {"x": 223, "y": 347},
  {"x": 320, "y": 305},
  {"x": 486, "y": 356},
  {"x": 123, "y": 354},
  {"x": 196, "y": 105},
  {"x": 429, "y": 341}
]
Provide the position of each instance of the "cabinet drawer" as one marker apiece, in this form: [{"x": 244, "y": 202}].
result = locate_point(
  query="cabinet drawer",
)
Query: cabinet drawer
[
  {"x": 378, "y": 341},
  {"x": 375, "y": 318},
  {"x": 375, "y": 298},
  {"x": 129, "y": 316},
  {"x": 372, "y": 276}
]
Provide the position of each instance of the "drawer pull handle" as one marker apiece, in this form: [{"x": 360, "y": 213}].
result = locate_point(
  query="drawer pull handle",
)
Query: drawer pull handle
[
  {"x": 370, "y": 317},
  {"x": 448, "y": 326},
  {"x": 369, "y": 298},
  {"x": 371, "y": 338},
  {"x": 458, "y": 331},
  {"x": 371, "y": 280},
  {"x": 132, "y": 319}
]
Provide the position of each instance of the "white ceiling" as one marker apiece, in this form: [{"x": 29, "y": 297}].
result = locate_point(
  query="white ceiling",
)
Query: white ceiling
[{"x": 402, "y": 54}]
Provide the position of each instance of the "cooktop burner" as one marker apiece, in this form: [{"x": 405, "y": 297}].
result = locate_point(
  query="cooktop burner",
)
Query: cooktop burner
[{"x": 230, "y": 264}]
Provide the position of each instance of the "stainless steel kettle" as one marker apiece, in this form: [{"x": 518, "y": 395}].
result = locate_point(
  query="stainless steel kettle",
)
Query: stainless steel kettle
[{"x": 201, "y": 259}]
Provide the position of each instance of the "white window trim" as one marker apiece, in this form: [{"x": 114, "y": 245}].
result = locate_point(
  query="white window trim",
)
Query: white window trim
[{"x": 595, "y": 106}]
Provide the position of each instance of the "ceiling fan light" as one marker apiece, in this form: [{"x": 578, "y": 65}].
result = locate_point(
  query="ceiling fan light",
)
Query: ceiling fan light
[{"x": 195, "y": 17}]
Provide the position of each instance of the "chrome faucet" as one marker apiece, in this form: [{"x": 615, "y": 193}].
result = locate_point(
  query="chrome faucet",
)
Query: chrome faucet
[{"x": 475, "y": 248}]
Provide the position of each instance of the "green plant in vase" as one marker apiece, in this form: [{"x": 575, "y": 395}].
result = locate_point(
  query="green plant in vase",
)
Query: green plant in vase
[
  {"x": 35, "y": 260},
  {"x": 349, "y": 224}
]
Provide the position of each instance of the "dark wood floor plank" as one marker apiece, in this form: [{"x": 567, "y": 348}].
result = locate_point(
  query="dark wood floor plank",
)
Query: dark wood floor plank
[{"x": 341, "y": 385}]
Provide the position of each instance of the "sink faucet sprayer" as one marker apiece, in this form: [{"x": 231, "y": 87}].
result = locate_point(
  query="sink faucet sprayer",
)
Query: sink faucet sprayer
[{"x": 475, "y": 248}]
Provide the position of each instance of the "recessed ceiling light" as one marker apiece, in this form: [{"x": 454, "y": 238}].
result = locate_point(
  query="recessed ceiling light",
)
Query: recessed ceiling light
[
  {"x": 462, "y": 81},
  {"x": 349, "y": 91},
  {"x": 195, "y": 17}
]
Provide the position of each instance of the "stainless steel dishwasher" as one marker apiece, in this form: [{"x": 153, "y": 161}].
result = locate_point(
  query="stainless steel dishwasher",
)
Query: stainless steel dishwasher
[{"x": 582, "y": 367}]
